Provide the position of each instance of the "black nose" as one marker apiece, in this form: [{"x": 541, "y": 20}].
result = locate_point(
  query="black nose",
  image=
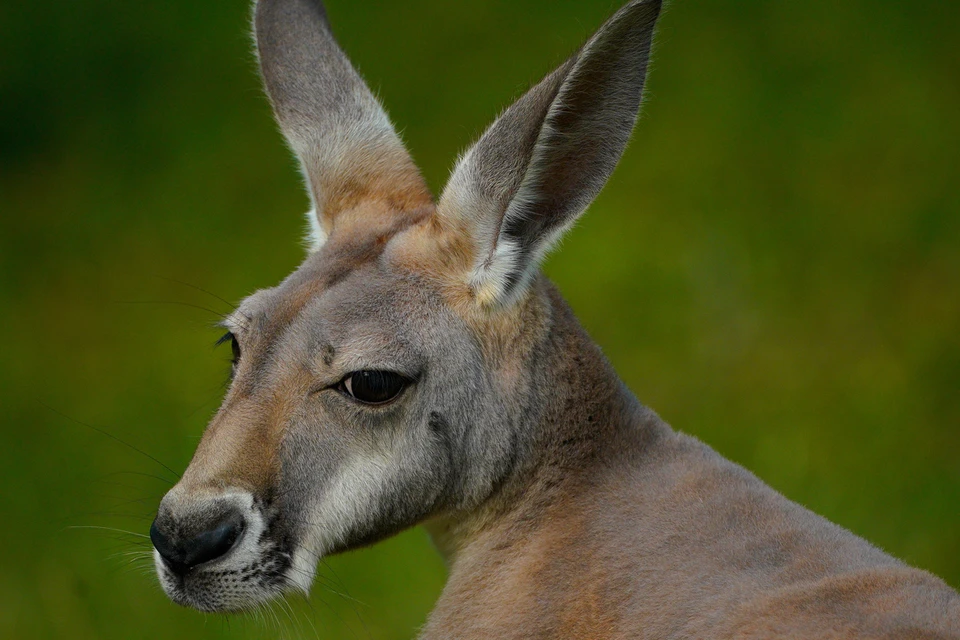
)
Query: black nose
[{"x": 183, "y": 552}]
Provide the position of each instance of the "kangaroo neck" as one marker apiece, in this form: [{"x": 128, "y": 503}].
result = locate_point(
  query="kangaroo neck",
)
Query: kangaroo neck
[{"x": 578, "y": 419}]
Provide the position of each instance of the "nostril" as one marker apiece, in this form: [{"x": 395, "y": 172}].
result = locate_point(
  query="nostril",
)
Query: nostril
[
  {"x": 181, "y": 555},
  {"x": 172, "y": 554},
  {"x": 214, "y": 543}
]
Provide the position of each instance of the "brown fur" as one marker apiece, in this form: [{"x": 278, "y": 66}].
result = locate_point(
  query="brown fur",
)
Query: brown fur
[
  {"x": 231, "y": 450},
  {"x": 622, "y": 528},
  {"x": 374, "y": 182},
  {"x": 564, "y": 507}
]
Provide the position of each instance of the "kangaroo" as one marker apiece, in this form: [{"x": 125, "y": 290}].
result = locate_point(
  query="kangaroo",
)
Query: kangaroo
[{"x": 418, "y": 368}]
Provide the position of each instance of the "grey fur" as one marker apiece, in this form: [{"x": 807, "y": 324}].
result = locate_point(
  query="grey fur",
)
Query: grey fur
[
  {"x": 343, "y": 138},
  {"x": 564, "y": 507},
  {"x": 542, "y": 163}
]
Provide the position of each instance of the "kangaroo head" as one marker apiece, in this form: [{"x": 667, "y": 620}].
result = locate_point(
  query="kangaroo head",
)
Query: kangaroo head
[{"x": 394, "y": 376}]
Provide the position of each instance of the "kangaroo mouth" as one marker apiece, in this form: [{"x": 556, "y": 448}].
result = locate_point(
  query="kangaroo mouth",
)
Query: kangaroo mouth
[
  {"x": 259, "y": 566},
  {"x": 229, "y": 589}
]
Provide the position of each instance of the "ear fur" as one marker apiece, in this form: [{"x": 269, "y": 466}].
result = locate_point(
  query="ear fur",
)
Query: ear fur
[
  {"x": 538, "y": 167},
  {"x": 349, "y": 151}
]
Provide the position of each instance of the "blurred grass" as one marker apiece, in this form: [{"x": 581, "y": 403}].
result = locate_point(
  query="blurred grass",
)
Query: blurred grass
[{"x": 774, "y": 267}]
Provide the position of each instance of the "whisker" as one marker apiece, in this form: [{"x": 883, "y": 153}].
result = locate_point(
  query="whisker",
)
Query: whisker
[
  {"x": 311, "y": 620},
  {"x": 175, "y": 303},
  {"x": 114, "y": 529},
  {"x": 333, "y": 610},
  {"x": 205, "y": 403},
  {"x": 117, "y": 514},
  {"x": 196, "y": 288},
  {"x": 109, "y": 435},
  {"x": 135, "y": 473}
]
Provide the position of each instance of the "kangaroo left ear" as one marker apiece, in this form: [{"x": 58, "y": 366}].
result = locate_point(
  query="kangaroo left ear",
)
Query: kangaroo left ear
[{"x": 539, "y": 166}]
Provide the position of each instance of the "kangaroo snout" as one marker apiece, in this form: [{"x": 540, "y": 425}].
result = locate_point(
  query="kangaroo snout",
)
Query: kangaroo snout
[
  {"x": 199, "y": 533},
  {"x": 187, "y": 542}
]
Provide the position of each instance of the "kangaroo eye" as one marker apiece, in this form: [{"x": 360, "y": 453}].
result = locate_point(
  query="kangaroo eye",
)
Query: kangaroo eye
[{"x": 373, "y": 387}]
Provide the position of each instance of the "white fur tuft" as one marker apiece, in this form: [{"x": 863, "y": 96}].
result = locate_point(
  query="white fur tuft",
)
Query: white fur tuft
[
  {"x": 490, "y": 278},
  {"x": 316, "y": 235}
]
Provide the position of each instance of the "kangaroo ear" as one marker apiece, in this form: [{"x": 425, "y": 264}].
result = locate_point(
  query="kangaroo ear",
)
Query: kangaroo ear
[
  {"x": 347, "y": 147},
  {"x": 544, "y": 160}
]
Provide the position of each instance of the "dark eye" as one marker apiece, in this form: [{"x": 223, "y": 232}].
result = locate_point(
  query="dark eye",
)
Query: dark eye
[
  {"x": 234, "y": 346},
  {"x": 373, "y": 387}
]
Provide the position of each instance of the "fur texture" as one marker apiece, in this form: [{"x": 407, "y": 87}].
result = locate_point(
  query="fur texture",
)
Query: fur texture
[{"x": 564, "y": 507}]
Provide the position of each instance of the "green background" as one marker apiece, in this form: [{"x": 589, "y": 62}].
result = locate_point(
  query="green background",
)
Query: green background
[{"x": 774, "y": 267}]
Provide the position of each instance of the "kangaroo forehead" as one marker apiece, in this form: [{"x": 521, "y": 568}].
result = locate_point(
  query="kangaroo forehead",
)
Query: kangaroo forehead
[{"x": 359, "y": 259}]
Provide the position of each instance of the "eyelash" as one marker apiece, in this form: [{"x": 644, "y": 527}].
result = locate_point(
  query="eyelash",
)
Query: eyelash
[{"x": 234, "y": 346}]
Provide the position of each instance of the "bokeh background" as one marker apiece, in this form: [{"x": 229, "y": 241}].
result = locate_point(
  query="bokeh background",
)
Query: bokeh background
[{"x": 774, "y": 267}]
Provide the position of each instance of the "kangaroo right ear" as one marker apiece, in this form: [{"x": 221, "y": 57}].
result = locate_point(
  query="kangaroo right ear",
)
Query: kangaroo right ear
[
  {"x": 543, "y": 161},
  {"x": 349, "y": 151}
]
